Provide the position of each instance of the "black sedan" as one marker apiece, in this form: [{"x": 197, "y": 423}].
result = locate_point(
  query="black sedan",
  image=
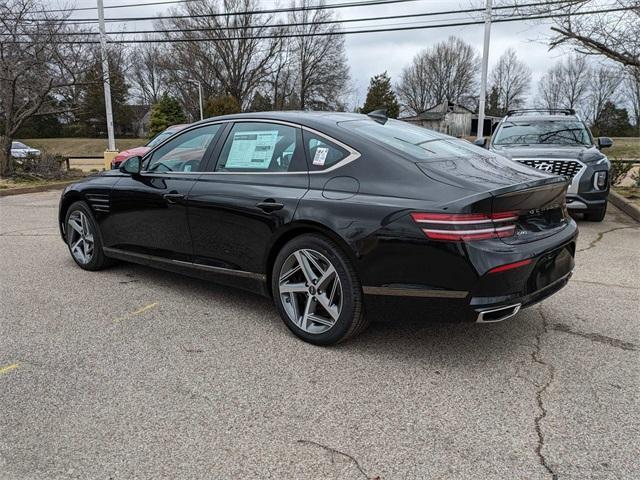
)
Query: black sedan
[{"x": 336, "y": 216}]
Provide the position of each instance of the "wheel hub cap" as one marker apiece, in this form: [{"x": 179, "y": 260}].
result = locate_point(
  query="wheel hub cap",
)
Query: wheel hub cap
[
  {"x": 80, "y": 237},
  {"x": 310, "y": 291}
]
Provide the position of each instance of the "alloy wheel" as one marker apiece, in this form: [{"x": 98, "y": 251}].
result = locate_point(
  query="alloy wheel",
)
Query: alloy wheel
[
  {"x": 80, "y": 236},
  {"x": 310, "y": 291}
]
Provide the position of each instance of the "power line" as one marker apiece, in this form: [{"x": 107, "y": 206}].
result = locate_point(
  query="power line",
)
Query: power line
[
  {"x": 349, "y": 32},
  {"x": 168, "y": 2},
  {"x": 359, "y": 3},
  {"x": 321, "y": 22}
]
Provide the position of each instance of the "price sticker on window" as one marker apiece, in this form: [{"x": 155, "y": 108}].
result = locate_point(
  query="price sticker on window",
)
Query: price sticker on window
[{"x": 320, "y": 156}]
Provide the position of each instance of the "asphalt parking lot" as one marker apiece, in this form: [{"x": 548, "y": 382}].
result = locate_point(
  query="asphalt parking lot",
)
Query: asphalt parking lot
[{"x": 137, "y": 373}]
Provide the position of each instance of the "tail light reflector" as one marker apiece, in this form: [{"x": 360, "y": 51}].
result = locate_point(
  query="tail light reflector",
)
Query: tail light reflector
[
  {"x": 510, "y": 266},
  {"x": 455, "y": 227}
]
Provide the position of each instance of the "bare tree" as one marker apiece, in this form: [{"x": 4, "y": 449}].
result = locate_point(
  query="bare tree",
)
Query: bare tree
[
  {"x": 319, "y": 60},
  {"x": 612, "y": 34},
  {"x": 603, "y": 85},
  {"x": 36, "y": 69},
  {"x": 413, "y": 89},
  {"x": 224, "y": 48},
  {"x": 566, "y": 84},
  {"x": 511, "y": 79},
  {"x": 576, "y": 80},
  {"x": 446, "y": 72},
  {"x": 550, "y": 88},
  {"x": 147, "y": 72},
  {"x": 631, "y": 89}
]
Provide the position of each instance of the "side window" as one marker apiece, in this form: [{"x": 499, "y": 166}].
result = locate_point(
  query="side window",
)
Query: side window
[
  {"x": 184, "y": 153},
  {"x": 262, "y": 147},
  {"x": 322, "y": 153}
]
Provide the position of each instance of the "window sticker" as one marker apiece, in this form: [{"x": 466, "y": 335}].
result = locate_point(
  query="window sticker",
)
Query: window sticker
[
  {"x": 320, "y": 156},
  {"x": 252, "y": 149}
]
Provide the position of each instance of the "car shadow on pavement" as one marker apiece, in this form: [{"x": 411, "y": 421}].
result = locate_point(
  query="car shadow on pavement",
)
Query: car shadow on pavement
[{"x": 393, "y": 337}]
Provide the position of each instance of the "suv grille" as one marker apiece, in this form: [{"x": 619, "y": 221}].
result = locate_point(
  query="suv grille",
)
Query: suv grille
[{"x": 559, "y": 167}]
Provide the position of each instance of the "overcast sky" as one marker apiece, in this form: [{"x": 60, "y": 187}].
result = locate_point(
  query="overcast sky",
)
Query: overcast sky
[{"x": 370, "y": 54}]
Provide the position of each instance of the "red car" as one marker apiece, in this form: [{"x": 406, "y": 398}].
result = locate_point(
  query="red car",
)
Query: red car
[{"x": 132, "y": 152}]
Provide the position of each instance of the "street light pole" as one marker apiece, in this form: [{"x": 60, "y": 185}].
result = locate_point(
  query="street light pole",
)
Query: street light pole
[
  {"x": 485, "y": 66},
  {"x": 105, "y": 77},
  {"x": 197, "y": 82}
]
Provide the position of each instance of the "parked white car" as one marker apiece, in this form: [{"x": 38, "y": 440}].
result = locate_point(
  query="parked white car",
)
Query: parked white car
[{"x": 20, "y": 150}]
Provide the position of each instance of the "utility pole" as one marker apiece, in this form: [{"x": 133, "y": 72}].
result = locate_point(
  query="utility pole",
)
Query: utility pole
[
  {"x": 106, "y": 80},
  {"x": 485, "y": 67},
  {"x": 200, "y": 99}
]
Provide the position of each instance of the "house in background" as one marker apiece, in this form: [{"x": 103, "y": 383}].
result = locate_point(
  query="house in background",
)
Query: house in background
[
  {"x": 452, "y": 119},
  {"x": 137, "y": 124}
]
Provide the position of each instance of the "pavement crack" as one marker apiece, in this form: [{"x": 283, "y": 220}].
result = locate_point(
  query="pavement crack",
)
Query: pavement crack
[
  {"x": 601, "y": 235},
  {"x": 542, "y": 411},
  {"x": 334, "y": 451},
  {"x": 596, "y": 337}
]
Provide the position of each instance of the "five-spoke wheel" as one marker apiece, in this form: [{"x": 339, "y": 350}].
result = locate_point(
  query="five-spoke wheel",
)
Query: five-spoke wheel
[
  {"x": 83, "y": 237},
  {"x": 310, "y": 291},
  {"x": 317, "y": 290}
]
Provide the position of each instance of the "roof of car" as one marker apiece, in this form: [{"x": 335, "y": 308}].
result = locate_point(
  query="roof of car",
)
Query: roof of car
[
  {"x": 539, "y": 118},
  {"x": 307, "y": 118}
]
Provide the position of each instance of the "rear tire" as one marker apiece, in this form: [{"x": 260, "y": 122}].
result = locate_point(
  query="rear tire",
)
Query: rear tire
[
  {"x": 83, "y": 238},
  {"x": 596, "y": 215},
  {"x": 317, "y": 291}
]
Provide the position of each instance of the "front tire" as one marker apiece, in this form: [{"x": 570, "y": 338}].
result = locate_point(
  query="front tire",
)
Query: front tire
[
  {"x": 317, "y": 291},
  {"x": 83, "y": 238},
  {"x": 596, "y": 215}
]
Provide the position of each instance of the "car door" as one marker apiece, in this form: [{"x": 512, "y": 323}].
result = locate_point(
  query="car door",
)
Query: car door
[
  {"x": 252, "y": 186},
  {"x": 149, "y": 210}
]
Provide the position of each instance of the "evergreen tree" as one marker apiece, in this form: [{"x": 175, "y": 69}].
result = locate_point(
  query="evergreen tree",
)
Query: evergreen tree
[
  {"x": 381, "y": 96},
  {"x": 613, "y": 122},
  {"x": 493, "y": 103},
  {"x": 260, "y": 103},
  {"x": 92, "y": 112},
  {"x": 165, "y": 113},
  {"x": 221, "y": 105}
]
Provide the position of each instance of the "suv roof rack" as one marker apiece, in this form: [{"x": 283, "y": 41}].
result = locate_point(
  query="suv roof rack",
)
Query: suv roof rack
[{"x": 523, "y": 111}]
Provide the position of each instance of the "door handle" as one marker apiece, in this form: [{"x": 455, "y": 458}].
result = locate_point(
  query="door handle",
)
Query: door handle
[
  {"x": 270, "y": 206},
  {"x": 173, "y": 198}
]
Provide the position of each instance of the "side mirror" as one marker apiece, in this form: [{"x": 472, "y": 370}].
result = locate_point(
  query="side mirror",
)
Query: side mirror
[
  {"x": 604, "y": 142},
  {"x": 132, "y": 165},
  {"x": 481, "y": 142}
]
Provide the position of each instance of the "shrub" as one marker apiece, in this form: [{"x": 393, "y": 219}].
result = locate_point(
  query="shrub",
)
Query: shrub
[{"x": 619, "y": 170}]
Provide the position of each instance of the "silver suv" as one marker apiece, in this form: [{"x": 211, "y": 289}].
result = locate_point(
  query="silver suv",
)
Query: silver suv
[{"x": 558, "y": 141}]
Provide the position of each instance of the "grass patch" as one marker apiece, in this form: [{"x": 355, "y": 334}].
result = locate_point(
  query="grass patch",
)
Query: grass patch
[
  {"x": 624, "y": 147},
  {"x": 77, "y": 147},
  {"x": 11, "y": 183},
  {"x": 630, "y": 193}
]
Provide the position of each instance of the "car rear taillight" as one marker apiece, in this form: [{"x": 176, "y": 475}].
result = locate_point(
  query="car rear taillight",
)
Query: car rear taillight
[{"x": 455, "y": 227}]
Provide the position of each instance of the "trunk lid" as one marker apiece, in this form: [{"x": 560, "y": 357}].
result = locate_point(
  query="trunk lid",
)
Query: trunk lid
[{"x": 536, "y": 199}]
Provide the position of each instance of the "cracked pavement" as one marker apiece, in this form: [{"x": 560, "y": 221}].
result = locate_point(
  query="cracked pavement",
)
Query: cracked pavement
[{"x": 137, "y": 373}]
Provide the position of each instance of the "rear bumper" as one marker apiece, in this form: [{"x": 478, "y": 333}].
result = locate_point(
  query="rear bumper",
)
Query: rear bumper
[
  {"x": 585, "y": 202},
  {"x": 493, "y": 296}
]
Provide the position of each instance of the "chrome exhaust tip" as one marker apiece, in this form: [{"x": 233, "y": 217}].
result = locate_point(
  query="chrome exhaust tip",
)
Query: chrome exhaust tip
[{"x": 498, "y": 314}]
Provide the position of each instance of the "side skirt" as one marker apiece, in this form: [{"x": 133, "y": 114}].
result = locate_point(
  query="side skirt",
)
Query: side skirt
[{"x": 250, "y": 281}]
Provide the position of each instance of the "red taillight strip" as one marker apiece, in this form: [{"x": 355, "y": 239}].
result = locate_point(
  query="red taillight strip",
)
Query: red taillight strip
[
  {"x": 510, "y": 266},
  {"x": 456, "y": 226},
  {"x": 470, "y": 232}
]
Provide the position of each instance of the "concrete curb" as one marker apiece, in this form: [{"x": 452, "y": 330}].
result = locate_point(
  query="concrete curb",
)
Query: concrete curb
[
  {"x": 40, "y": 188},
  {"x": 625, "y": 205}
]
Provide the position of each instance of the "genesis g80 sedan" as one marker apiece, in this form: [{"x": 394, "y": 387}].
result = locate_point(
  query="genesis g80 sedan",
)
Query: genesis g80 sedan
[{"x": 336, "y": 216}]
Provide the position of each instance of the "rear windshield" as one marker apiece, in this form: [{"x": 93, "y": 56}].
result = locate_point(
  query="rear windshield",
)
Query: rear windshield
[
  {"x": 542, "y": 132},
  {"x": 161, "y": 137},
  {"x": 418, "y": 142}
]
